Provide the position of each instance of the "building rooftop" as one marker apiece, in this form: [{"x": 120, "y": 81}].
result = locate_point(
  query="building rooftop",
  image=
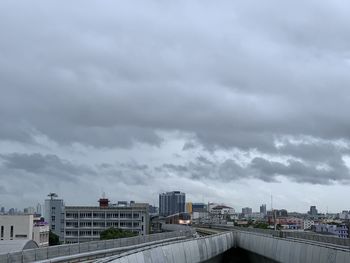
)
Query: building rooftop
[{"x": 7, "y": 246}]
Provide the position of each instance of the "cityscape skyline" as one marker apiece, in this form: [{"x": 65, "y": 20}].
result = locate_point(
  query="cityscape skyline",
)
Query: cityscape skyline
[
  {"x": 228, "y": 102},
  {"x": 238, "y": 208}
]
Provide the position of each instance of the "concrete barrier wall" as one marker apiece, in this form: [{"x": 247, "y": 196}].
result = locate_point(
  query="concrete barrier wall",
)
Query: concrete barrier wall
[
  {"x": 178, "y": 228},
  {"x": 40, "y": 254},
  {"x": 192, "y": 251},
  {"x": 289, "y": 251},
  {"x": 287, "y": 234}
]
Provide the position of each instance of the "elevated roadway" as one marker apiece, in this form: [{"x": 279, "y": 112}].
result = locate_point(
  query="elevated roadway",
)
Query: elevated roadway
[
  {"x": 183, "y": 245},
  {"x": 188, "y": 251},
  {"x": 291, "y": 247}
]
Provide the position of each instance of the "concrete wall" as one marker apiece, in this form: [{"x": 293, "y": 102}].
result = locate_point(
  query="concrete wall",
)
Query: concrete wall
[
  {"x": 192, "y": 251},
  {"x": 263, "y": 248},
  {"x": 22, "y": 227},
  {"x": 49, "y": 253},
  {"x": 291, "y": 250}
]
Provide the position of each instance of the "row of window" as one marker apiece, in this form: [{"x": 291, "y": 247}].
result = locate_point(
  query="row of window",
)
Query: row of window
[
  {"x": 102, "y": 224},
  {"x": 85, "y": 233},
  {"x": 102, "y": 215}
]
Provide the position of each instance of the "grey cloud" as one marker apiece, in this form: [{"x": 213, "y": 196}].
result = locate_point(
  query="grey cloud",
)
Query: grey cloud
[
  {"x": 229, "y": 74},
  {"x": 135, "y": 166},
  {"x": 129, "y": 173},
  {"x": 316, "y": 151},
  {"x": 204, "y": 160},
  {"x": 237, "y": 88},
  {"x": 301, "y": 172},
  {"x": 189, "y": 146},
  {"x": 203, "y": 169},
  {"x": 45, "y": 166},
  {"x": 176, "y": 168},
  {"x": 260, "y": 168}
]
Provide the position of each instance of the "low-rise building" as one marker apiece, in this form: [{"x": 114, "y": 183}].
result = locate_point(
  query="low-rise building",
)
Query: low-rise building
[
  {"x": 341, "y": 231},
  {"x": 344, "y": 215},
  {"x": 41, "y": 232},
  {"x": 23, "y": 227},
  {"x": 85, "y": 223}
]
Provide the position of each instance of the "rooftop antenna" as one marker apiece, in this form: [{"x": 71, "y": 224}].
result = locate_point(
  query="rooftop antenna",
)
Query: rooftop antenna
[{"x": 52, "y": 195}]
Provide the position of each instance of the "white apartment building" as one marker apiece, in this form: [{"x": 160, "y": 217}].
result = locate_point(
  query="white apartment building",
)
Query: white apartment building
[
  {"x": 85, "y": 223},
  {"x": 54, "y": 216},
  {"x": 19, "y": 227}
]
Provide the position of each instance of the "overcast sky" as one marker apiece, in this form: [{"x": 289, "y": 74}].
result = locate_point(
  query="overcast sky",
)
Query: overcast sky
[{"x": 228, "y": 101}]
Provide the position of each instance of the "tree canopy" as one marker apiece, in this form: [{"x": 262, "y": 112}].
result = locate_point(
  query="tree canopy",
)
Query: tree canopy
[
  {"x": 53, "y": 239},
  {"x": 114, "y": 233}
]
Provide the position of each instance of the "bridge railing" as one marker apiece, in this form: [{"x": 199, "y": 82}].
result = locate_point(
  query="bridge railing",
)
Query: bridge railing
[
  {"x": 317, "y": 238},
  {"x": 45, "y": 253},
  {"x": 289, "y": 234}
]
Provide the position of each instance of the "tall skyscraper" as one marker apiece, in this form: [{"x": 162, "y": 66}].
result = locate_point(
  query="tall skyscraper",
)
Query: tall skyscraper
[
  {"x": 38, "y": 209},
  {"x": 171, "y": 203},
  {"x": 313, "y": 211},
  {"x": 263, "y": 209}
]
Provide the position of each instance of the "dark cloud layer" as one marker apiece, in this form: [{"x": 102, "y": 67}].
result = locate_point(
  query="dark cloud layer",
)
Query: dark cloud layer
[
  {"x": 45, "y": 166},
  {"x": 235, "y": 79},
  {"x": 269, "y": 79},
  {"x": 263, "y": 169}
]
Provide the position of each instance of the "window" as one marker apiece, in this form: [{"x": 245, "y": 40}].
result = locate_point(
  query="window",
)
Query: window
[
  {"x": 21, "y": 236},
  {"x": 85, "y": 224},
  {"x": 99, "y": 215},
  {"x": 71, "y": 224},
  {"x": 11, "y": 233},
  {"x": 85, "y": 233},
  {"x": 72, "y": 215},
  {"x": 2, "y": 231},
  {"x": 112, "y": 215},
  {"x": 53, "y": 227},
  {"x": 85, "y": 215},
  {"x": 53, "y": 218}
]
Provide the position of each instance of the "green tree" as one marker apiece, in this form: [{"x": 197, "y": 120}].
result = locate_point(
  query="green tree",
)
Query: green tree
[
  {"x": 114, "y": 233},
  {"x": 53, "y": 239},
  {"x": 261, "y": 225}
]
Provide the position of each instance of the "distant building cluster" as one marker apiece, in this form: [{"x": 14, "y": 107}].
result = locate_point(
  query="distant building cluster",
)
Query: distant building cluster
[
  {"x": 171, "y": 203},
  {"x": 75, "y": 224}
]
